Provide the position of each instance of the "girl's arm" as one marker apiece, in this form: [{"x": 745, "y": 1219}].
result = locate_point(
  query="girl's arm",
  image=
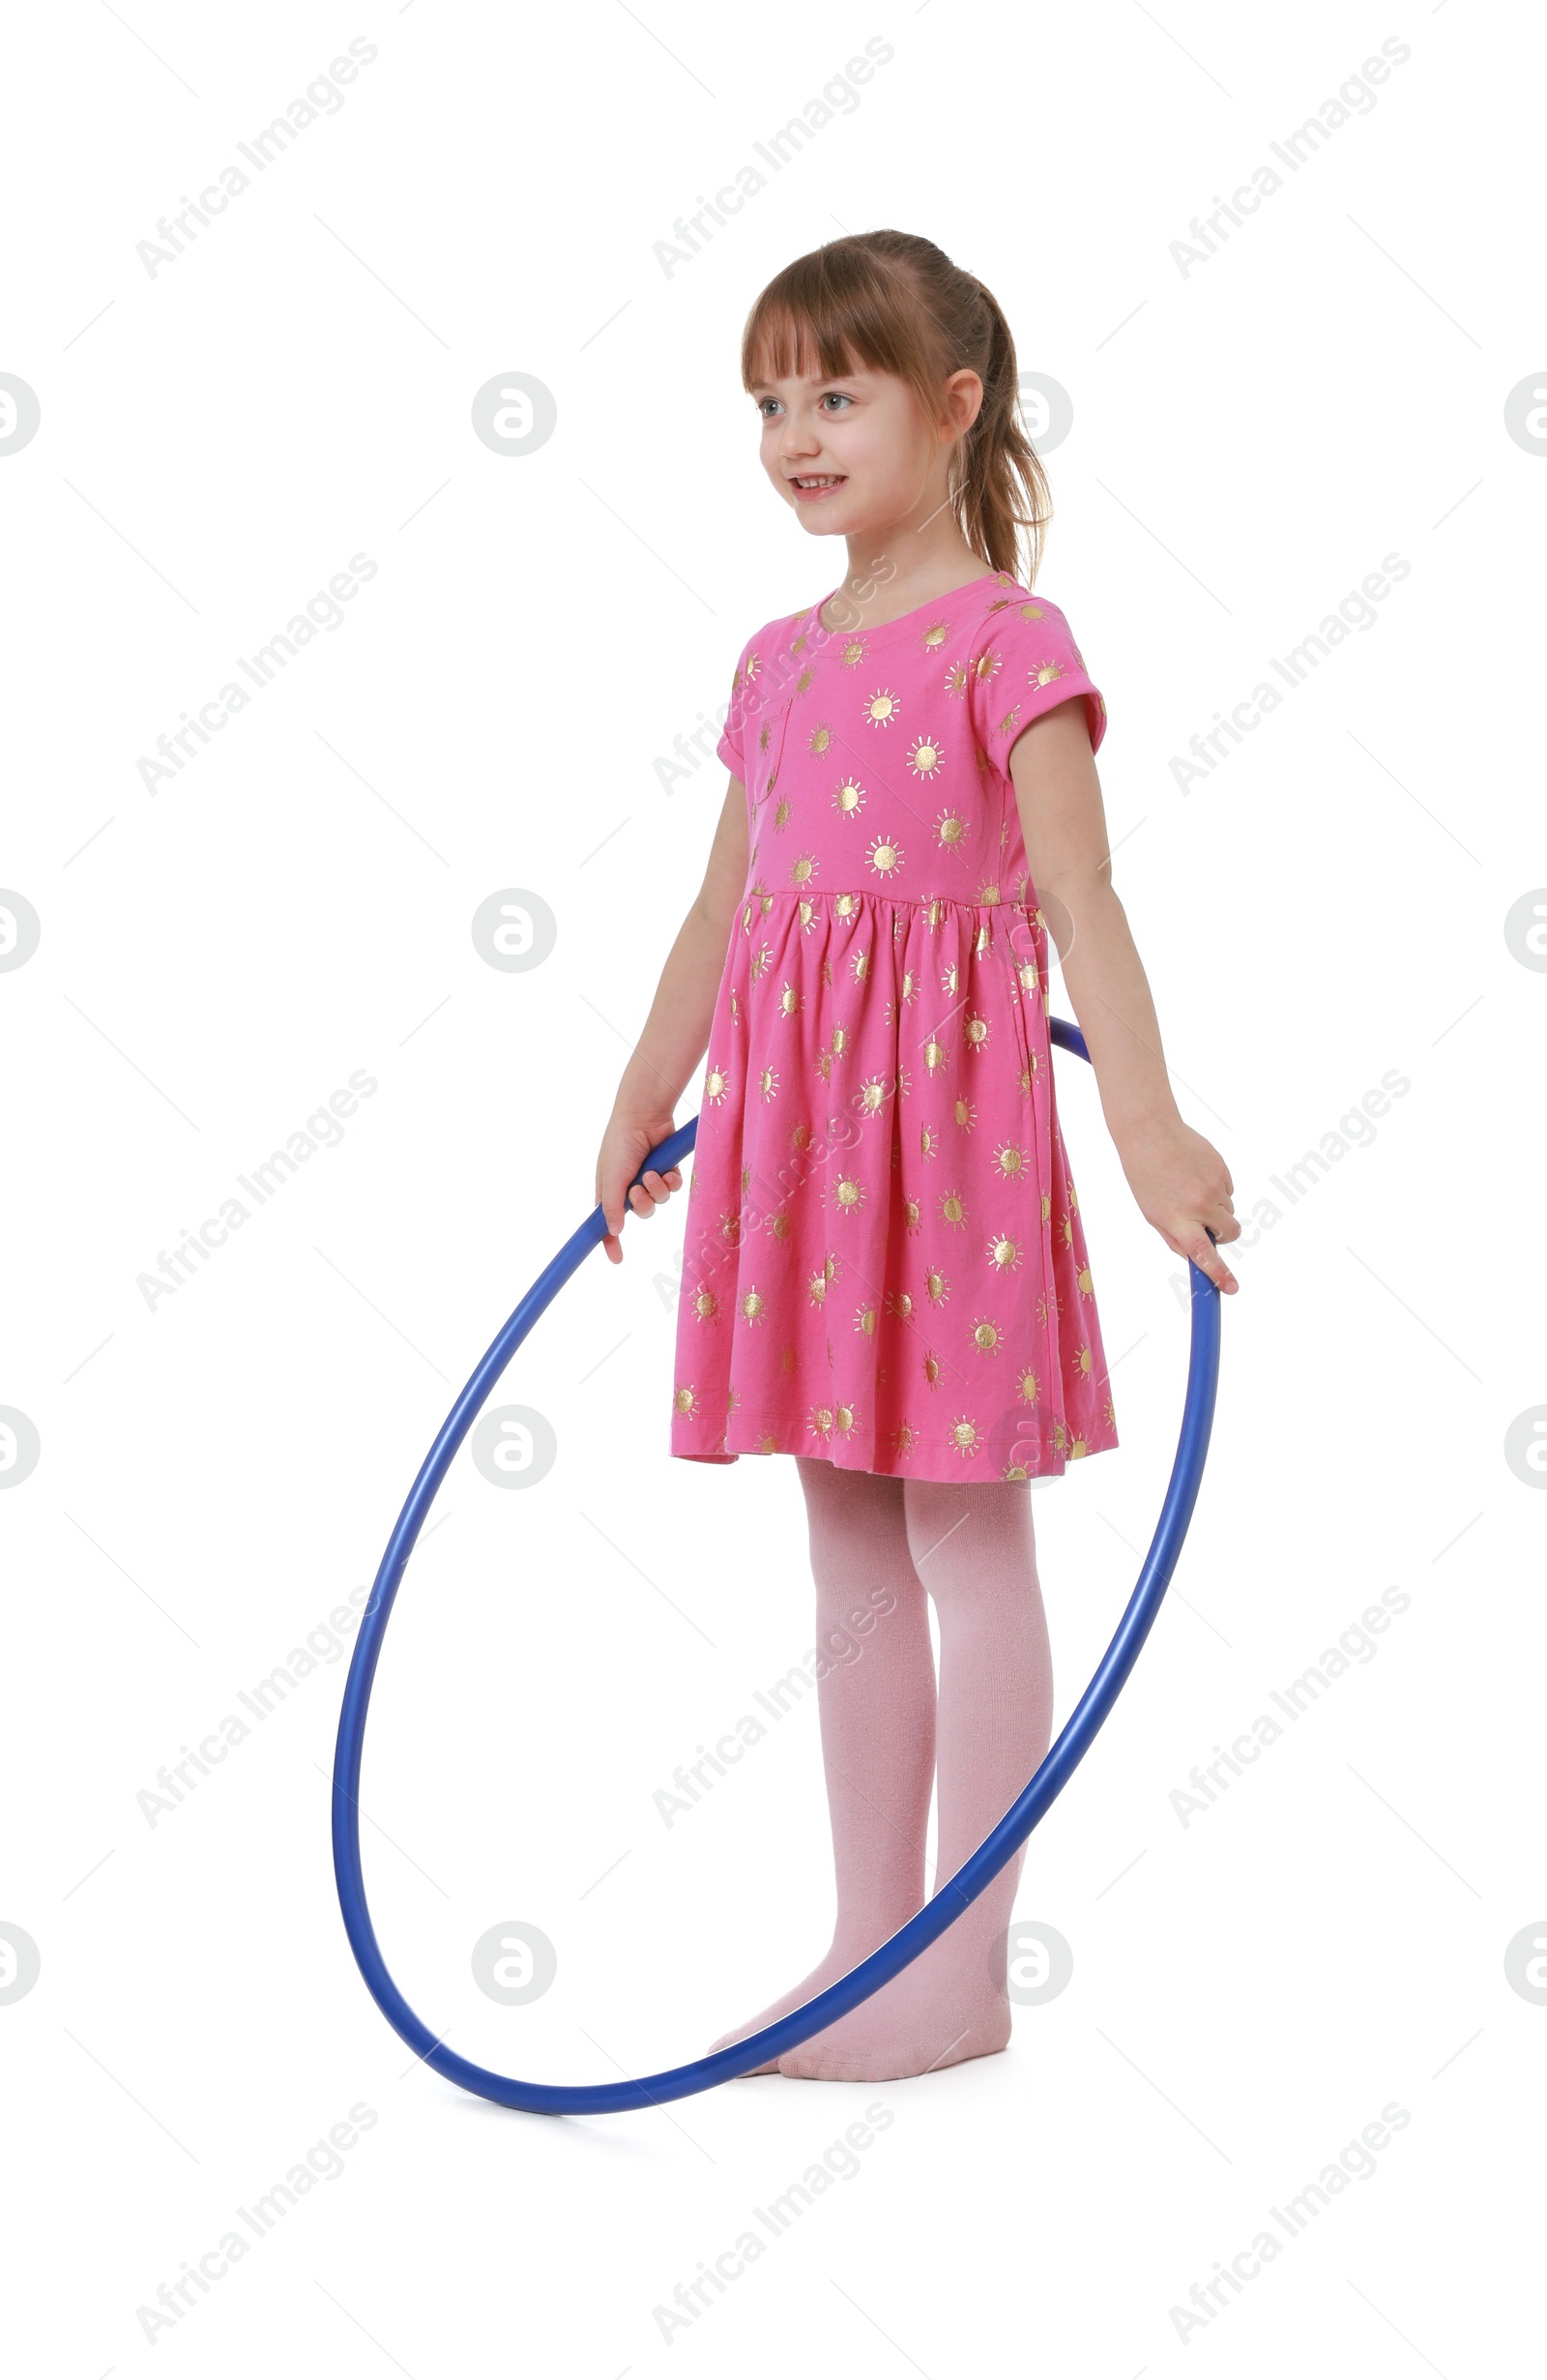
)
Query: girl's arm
[
  {"x": 676, "y": 1031},
  {"x": 1179, "y": 1180}
]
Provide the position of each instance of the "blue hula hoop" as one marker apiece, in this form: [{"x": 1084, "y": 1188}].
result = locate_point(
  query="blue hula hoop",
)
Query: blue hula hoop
[{"x": 951, "y": 1898}]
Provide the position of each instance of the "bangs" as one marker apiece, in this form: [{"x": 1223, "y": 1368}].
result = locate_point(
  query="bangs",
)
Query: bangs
[
  {"x": 782, "y": 345},
  {"x": 829, "y": 315}
]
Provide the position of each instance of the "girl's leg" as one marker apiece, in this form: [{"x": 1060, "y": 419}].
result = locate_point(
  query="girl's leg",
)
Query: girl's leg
[
  {"x": 877, "y": 1709},
  {"x": 974, "y": 1550}
]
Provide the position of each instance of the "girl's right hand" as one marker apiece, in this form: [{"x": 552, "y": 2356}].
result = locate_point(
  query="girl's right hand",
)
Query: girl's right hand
[{"x": 626, "y": 1143}]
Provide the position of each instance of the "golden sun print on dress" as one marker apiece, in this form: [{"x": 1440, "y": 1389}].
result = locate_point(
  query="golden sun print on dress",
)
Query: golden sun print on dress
[{"x": 878, "y": 1071}]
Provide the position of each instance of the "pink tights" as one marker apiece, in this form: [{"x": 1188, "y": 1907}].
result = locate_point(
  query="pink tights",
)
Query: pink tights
[{"x": 877, "y": 1541}]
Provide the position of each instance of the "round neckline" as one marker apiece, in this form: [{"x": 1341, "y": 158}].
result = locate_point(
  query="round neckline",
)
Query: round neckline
[{"x": 902, "y": 618}]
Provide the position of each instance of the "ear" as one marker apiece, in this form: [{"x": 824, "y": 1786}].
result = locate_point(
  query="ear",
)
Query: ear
[{"x": 961, "y": 403}]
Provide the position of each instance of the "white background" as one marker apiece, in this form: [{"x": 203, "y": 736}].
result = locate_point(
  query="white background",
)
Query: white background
[{"x": 1251, "y": 436}]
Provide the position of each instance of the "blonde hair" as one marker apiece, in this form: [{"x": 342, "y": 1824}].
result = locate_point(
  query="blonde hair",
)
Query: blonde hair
[{"x": 889, "y": 302}]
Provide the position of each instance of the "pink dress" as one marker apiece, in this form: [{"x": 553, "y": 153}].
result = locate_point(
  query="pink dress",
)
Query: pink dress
[{"x": 884, "y": 1263}]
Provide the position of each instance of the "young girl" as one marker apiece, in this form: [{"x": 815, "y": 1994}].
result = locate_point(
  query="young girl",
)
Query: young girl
[{"x": 886, "y": 1270}]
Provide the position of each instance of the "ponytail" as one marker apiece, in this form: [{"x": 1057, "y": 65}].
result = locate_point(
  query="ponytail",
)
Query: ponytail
[{"x": 999, "y": 488}]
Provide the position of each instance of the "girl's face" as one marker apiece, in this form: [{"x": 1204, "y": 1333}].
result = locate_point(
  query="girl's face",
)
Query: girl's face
[{"x": 854, "y": 455}]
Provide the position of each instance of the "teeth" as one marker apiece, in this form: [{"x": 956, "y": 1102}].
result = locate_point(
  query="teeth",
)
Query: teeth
[{"x": 830, "y": 480}]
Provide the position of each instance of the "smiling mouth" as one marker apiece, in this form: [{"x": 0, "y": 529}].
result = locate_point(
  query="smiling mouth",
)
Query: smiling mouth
[{"x": 818, "y": 482}]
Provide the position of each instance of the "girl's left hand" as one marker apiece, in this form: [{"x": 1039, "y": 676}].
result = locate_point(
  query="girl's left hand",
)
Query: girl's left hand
[{"x": 1182, "y": 1185}]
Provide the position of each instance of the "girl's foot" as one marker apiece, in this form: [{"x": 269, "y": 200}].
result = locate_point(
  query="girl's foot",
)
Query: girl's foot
[
  {"x": 828, "y": 1971},
  {"x": 933, "y": 2015}
]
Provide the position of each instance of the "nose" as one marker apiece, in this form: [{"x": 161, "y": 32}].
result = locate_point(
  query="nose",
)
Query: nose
[{"x": 796, "y": 441}]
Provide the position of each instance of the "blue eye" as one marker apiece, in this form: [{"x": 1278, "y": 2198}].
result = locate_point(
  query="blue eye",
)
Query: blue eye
[{"x": 839, "y": 395}]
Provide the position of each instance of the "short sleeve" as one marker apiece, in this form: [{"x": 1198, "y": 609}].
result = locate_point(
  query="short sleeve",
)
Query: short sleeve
[
  {"x": 761, "y": 686},
  {"x": 1024, "y": 663},
  {"x": 732, "y": 745}
]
